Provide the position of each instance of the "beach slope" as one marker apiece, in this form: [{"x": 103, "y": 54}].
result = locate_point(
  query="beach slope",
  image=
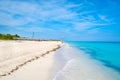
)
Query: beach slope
[{"x": 17, "y": 56}]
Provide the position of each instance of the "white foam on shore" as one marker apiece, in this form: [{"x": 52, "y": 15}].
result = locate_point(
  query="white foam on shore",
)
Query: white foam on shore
[{"x": 80, "y": 66}]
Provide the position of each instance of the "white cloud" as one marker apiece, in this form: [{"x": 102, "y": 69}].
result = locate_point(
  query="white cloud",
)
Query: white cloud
[
  {"x": 33, "y": 11},
  {"x": 42, "y": 12},
  {"x": 9, "y": 20},
  {"x": 87, "y": 25},
  {"x": 103, "y": 17},
  {"x": 35, "y": 29}
]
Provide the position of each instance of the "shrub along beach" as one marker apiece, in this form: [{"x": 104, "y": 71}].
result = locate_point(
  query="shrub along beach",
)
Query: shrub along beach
[
  {"x": 59, "y": 39},
  {"x": 8, "y": 36},
  {"x": 16, "y": 54},
  {"x": 34, "y": 59}
]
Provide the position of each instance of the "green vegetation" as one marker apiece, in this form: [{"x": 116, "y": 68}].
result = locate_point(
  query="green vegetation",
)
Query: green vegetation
[{"x": 8, "y": 36}]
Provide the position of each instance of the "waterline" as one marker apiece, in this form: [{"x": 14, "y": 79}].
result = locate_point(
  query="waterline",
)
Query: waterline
[{"x": 80, "y": 66}]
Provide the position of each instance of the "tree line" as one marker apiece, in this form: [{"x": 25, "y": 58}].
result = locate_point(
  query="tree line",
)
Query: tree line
[{"x": 8, "y": 36}]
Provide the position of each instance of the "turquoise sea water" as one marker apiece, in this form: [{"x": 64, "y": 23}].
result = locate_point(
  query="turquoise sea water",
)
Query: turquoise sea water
[
  {"x": 88, "y": 61},
  {"x": 106, "y": 52}
]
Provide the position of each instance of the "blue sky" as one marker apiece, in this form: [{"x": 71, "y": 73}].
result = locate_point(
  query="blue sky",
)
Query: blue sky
[{"x": 78, "y": 20}]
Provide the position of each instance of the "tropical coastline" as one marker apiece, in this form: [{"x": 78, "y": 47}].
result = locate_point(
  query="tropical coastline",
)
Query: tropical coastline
[
  {"x": 60, "y": 40},
  {"x": 67, "y": 63}
]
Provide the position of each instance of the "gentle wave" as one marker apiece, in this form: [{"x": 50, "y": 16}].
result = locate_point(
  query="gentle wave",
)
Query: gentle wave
[{"x": 80, "y": 66}]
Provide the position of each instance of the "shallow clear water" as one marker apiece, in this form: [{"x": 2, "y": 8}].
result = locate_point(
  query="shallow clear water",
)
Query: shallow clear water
[
  {"x": 89, "y": 61},
  {"x": 107, "y": 52}
]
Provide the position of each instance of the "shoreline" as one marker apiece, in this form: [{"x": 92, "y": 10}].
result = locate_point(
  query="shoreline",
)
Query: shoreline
[
  {"x": 76, "y": 67},
  {"x": 67, "y": 63},
  {"x": 32, "y": 59}
]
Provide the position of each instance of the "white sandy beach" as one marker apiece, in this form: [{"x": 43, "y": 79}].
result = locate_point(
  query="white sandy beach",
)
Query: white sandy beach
[
  {"x": 15, "y": 53},
  {"x": 67, "y": 63}
]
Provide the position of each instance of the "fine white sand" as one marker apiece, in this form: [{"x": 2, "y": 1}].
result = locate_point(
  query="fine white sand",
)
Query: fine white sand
[
  {"x": 14, "y": 53},
  {"x": 67, "y": 63},
  {"x": 36, "y": 70}
]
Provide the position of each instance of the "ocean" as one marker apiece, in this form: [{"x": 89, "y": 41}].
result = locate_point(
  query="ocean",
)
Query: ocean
[
  {"x": 89, "y": 61},
  {"x": 107, "y": 52}
]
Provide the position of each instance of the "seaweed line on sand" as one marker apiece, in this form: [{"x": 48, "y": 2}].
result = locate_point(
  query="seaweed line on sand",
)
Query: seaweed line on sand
[{"x": 30, "y": 60}]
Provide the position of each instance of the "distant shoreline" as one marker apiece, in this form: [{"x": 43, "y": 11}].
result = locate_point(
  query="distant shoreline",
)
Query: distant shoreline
[{"x": 33, "y": 39}]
